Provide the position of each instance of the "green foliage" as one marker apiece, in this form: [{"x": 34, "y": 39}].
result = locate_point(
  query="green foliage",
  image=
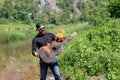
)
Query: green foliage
[
  {"x": 114, "y": 8},
  {"x": 96, "y": 12},
  {"x": 18, "y": 10},
  {"x": 15, "y": 29},
  {"x": 3, "y": 20},
  {"x": 46, "y": 14},
  {"x": 17, "y": 36},
  {"x": 94, "y": 52},
  {"x": 69, "y": 14}
]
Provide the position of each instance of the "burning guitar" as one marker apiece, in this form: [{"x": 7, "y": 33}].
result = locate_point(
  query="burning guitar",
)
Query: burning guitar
[{"x": 47, "y": 53}]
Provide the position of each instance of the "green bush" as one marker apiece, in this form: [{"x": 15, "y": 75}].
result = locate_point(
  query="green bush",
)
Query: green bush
[
  {"x": 3, "y": 21},
  {"x": 96, "y": 12},
  {"x": 94, "y": 52},
  {"x": 114, "y": 8},
  {"x": 17, "y": 36}
]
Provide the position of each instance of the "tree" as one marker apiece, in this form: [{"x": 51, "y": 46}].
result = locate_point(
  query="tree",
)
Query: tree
[
  {"x": 96, "y": 12},
  {"x": 114, "y": 8},
  {"x": 19, "y": 10}
]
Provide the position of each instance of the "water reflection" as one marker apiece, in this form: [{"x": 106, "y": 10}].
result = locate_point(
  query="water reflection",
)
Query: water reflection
[{"x": 14, "y": 50}]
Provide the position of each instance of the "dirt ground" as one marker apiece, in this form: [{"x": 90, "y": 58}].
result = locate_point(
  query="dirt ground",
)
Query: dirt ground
[{"x": 14, "y": 71}]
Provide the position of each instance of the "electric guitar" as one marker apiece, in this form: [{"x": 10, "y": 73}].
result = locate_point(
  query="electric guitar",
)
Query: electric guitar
[{"x": 47, "y": 53}]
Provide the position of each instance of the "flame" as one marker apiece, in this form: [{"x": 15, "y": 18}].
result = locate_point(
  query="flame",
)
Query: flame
[
  {"x": 60, "y": 34},
  {"x": 47, "y": 48}
]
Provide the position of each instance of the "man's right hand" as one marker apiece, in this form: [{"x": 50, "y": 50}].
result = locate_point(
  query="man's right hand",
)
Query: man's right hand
[{"x": 36, "y": 54}]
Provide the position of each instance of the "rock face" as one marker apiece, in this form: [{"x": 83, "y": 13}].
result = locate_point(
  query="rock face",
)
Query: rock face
[
  {"x": 53, "y": 6},
  {"x": 51, "y": 3}
]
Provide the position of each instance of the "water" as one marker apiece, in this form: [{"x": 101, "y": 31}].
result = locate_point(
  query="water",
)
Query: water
[
  {"x": 14, "y": 50},
  {"x": 15, "y": 60}
]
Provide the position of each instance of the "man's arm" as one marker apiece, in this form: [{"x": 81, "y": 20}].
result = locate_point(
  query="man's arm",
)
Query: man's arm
[{"x": 34, "y": 45}]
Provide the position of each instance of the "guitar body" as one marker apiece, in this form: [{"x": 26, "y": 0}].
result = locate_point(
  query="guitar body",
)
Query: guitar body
[
  {"x": 48, "y": 53},
  {"x": 46, "y": 56}
]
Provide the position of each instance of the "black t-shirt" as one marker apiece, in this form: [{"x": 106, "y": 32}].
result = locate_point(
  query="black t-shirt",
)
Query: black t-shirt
[{"x": 41, "y": 40}]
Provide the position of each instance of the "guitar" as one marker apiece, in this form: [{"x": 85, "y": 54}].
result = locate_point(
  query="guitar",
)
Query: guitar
[{"x": 47, "y": 53}]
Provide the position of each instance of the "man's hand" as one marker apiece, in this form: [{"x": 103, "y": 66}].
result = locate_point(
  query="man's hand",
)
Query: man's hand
[{"x": 36, "y": 54}]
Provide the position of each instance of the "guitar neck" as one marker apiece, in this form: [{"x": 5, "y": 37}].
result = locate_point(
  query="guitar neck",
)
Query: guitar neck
[
  {"x": 64, "y": 41},
  {"x": 67, "y": 39}
]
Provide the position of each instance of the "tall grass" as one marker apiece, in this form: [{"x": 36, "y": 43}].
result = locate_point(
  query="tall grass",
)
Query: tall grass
[{"x": 15, "y": 32}]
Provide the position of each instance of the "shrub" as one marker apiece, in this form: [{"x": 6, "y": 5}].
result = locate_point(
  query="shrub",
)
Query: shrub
[
  {"x": 16, "y": 36},
  {"x": 94, "y": 52}
]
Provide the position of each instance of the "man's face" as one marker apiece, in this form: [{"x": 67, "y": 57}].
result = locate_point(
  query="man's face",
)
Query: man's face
[{"x": 42, "y": 30}]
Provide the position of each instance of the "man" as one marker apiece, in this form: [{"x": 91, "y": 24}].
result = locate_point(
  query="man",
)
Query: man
[{"x": 40, "y": 40}]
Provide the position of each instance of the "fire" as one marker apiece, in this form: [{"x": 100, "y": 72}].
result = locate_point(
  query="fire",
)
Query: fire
[
  {"x": 47, "y": 48},
  {"x": 61, "y": 33},
  {"x": 60, "y": 36}
]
